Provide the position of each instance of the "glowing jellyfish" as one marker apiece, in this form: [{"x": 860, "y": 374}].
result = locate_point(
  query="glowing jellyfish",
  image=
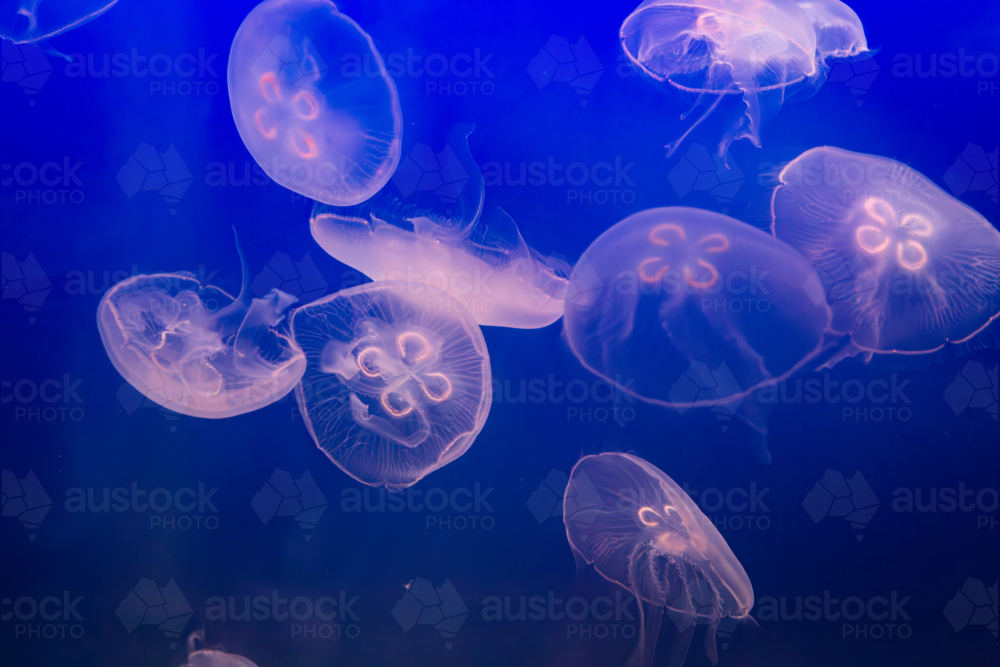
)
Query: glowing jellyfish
[
  {"x": 717, "y": 48},
  {"x": 907, "y": 267},
  {"x": 640, "y": 530},
  {"x": 198, "y": 656},
  {"x": 839, "y": 33},
  {"x": 23, "y": 21},
  {"x": 393, "y": 389},
  {"x": 318, "y": 128},
  {"x": 486, "y": 266},
  {"x": 688, "y": 308},
  {"x": 194, "y": 349}
]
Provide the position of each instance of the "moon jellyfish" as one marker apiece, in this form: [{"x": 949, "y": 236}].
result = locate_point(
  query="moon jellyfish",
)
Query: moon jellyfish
[
  {"x": 317, "y": 131},
  {"x": 907, "y": 267},
  {"x": 196, "y": 350},
  {"x": 198, "y": 656},
  {"x": 686, "y": 308},
  {"x": 485, "y": 265},
  {"x": 23, "y": 21},
  {"x": 640, "y": 530},
  {"x": 393, "y": 389},
  {"x": 839, "y": 33},
  {"x": 718, "y": 48}
]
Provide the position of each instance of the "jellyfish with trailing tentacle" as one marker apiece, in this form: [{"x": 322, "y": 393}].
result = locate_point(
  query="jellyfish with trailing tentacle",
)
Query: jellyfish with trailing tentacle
[
  {"x": 199, "y": 656},
  {"x": 722, "y": 48},
  {"x": 671, "y": 293},
  {"x": 196, "y": 350},
  {"x": 758, "y": 51},
  {"x": 314, "y": 127},
  {"x": 393, "y": 389},
  {"x": 23, "y": 21},
  {"x": 481, "y": 261},
  {"x": 647, "y": 535},
  {"x": 908, "y": 268}
]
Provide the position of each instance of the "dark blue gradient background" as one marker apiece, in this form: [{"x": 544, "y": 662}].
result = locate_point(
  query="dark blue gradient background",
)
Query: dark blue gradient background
[{"x": 926, "y": 122}]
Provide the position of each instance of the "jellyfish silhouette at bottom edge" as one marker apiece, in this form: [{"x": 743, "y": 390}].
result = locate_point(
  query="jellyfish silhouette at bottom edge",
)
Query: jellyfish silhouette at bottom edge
[
  {"x": 640, "y": 530},
  {"x": 196, "y": 350},
  {"x": 199, "y": 656},
  {"x": 397, "y": 381}
]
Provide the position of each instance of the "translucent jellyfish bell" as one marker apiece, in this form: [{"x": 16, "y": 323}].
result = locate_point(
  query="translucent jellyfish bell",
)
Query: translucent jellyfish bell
[
  {"x": 482, "y": 263},
  {"x": 717, "y": 48},
  {"x": 23, "y": 21},
  {"x": 327, "y": 132},
  {"x": 196, "y": 350},
  {"x": 640, "y": 530},
  {"x": 683, "y": 307},
  {"x": 198, "y": 656},
  {"x": 393, "y": 389},
  {"x": 839, "y": 33},
  {"x": 907, "y": 267}
]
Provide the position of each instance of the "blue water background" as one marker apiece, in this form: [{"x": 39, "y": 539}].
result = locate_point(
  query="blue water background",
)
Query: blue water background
[{"x": 926, "y": 122}]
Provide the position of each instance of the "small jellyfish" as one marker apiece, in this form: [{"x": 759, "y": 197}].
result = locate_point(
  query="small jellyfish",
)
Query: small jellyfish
[
  {"x": 393, "y": 389},
  {"x": 717, "y": 48},
  {"x": 24, "y": 21},
  {"x": 683, "y": 307},
  {"x": 640, "y": 530},
  {"x": 198, "y": 656},
  {"x": 485, "y": 265},
  {"x": 839, "y": 33},
  {"x": 196, "y": 350},
  {"x": 319, "y": 128},
  {"x": 908, "y": 268}
]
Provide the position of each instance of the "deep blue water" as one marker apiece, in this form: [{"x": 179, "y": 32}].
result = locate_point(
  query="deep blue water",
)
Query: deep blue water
[{"x": 81, "y": 431}]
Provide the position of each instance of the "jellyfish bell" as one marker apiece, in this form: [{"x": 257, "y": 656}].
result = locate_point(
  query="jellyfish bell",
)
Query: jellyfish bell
[
  {"x": 25, "y": 21},
  {"x": 683, "y": 307},
  {"x": 196, "y": 350},
  {"x": 327, "y": 132},
  {"x": 481, "y": 261},
  {"x": 640, "y": 530},
  {"x": 394, "y": 387},
  {"x": 839, "y": 33},
  {"x": 199, "y": 656},
  {"x": 908, "y": 268},
  {"x": 720, "y": 48}
]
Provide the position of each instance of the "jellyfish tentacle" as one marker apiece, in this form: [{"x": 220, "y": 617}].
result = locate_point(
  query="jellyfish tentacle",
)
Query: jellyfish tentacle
[{"x": 675, "y": 144}]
